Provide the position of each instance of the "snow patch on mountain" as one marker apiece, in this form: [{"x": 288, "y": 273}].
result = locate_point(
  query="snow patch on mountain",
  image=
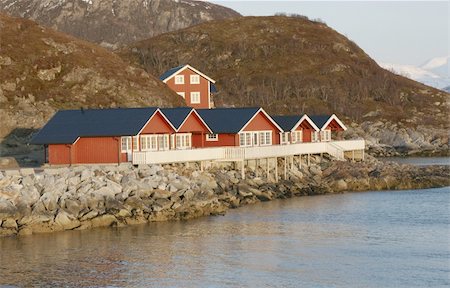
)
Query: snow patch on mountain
[{"x": 434, "y": 72}]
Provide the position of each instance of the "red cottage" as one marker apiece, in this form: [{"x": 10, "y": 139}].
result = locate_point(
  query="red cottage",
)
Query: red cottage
[
  {"x": 244, "y": 127},
  {"x": 195, "y": 87},
  {"x": 103, "y": 135},
  {"x": 191, "y": 130},
  {"x": 297, "y": 129},
  {"x": 328, "y": 124}
]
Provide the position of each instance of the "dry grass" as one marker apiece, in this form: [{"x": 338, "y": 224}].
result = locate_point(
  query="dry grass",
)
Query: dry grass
[{"x": 289, "y": 65}]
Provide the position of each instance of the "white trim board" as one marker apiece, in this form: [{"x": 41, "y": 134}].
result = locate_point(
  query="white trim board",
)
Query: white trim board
[
  {"x": 333, "y": 117},
  {"x": 305, "y": 117},
  {"x": 265, "y": 114},
  {"x": 187, "y": 66}
]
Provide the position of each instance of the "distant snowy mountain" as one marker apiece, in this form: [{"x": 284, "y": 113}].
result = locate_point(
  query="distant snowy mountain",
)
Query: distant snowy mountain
[{"x": 434, "y": 72}]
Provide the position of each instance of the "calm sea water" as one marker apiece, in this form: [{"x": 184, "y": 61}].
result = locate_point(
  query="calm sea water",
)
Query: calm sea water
[
  {"x": 420, "y": 161},
  {"x": 372, "y": 239}
]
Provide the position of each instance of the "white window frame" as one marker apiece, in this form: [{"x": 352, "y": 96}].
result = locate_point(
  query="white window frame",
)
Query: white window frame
[
  {"x": 264, "y": 138},
  {"x": 179, "y": 79},
  {"x": 127, "y": 141},
  {"x": 192, "y": 97},
  {"x": 325, "y": 135},
  {"x": 151, "y": 142},
  {"x": 135, "y": 143},
  {"x": 212, "y": 137},
  {"x": 182, "y": 94},
  {"x": 194, "y": 79},
  {"x": 297, "y": 136},
  {"x": 315, "y": 136},
  {"x": 183, "y": 141},
  {"x": 284, "y": 138}
]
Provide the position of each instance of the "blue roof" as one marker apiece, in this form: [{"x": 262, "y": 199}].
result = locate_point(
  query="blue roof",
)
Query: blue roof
[
  {"x": 227, "y": 120},
  {"x": 287, "y": 122},
  {"x": 67, "y": 125},
  {"x": 170, "y": 72},
  {"x": 176, "y": 116},
  {"x": 320, "y": 120}
]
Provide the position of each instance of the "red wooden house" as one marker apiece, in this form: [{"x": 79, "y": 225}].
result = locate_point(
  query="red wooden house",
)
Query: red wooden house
[
  {"x": 194, "y": 86},
  {"x": 297, "y": 129},
  {"x": 191, "y": 130},
  {"x": 103, "y": 135},
  {"x": 244, "y": 127},
  {"x": 327, "y": 125}
]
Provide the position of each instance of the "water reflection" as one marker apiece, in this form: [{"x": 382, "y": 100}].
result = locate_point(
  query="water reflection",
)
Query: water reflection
[{"x": 357, "y": 239}]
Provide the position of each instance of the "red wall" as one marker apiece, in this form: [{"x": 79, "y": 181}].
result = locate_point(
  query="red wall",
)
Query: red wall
[
  {"x": 224, "y": 140},
  {"x": 187, "y": 88},
  {"x": 261, "y": 122},
  {"x": 58, "y": 154},
  {"x": 307, "y": 130},
  {"x": 157, "y": 125},
  {"x": 334, "y": 126},
  {"x": 86, "y": 150},
  {"x": 194, "y": 125},
  {"x": 98, "y": 150}
]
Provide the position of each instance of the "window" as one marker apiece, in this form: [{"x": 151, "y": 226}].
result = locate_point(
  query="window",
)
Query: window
[
  {"x": 181, "y": 94},
  {"x": 126, "y": 144},
  {"x": 135, "y": 143},
  {"x": 260, "y": 138},
  {"x": 179, "y": 79},
  {"x": 265, "y": 138},
  {"x": 325, "y": 135},
  {"x": 154, "y": 142},
  {"x": 212, "y": 137},
  {"x": 195, "y": 79},
  {"x": 284, "y": 137},
  {"x": 315, "y": 136},
  {"x": 183, "y": 141},
  {"x": 148, "y": 143},
  {"x": 195, "y": 97},
  {"x": 297, "y": 137}
]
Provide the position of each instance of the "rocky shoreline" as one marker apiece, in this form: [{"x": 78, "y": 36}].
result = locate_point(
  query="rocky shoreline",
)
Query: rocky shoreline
[{"x": 84, "y": 197}]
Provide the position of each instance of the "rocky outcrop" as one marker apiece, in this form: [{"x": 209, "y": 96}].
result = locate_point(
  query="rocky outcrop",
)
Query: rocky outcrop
[
  {"x": 97, "y": 196},
  {"x": 113, "y": 22},
  {"x": 42, "y": 71}
]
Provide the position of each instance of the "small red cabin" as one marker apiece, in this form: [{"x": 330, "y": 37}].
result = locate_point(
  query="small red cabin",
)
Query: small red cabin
[
  {"x": 297, "y": 129},
  {"x": 195, "y": 87},
  {"x": 244, "y": 127}
]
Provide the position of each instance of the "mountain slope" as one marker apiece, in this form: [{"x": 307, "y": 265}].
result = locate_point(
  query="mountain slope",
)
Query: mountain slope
[
  {"x": 293, "y": 65},
  {"x": 116, "y": 22},
  {"x": 42, "y": 70}
]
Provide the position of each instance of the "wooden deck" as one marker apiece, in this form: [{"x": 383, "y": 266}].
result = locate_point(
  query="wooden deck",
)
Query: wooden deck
[{"x": 337, "y": 149}]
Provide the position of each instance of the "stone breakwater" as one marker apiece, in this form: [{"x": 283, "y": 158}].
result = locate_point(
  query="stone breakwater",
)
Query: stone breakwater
[{"x": 85, "y": 197}]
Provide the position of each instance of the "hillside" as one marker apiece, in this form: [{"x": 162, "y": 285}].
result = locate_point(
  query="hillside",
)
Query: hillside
[
  {"x": 112, "y": 22},
  {"x": 42, "y": 70},
  {"x": 293, "y": 65}
]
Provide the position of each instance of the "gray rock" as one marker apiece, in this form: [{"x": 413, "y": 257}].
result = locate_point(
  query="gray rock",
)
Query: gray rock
[
  {"x": 26, "y": 171},
  {"x": 7, "y": 209},
  {"x": 29, "y": 195},
  {"x": 66, "y": 221},
  {"x": 73, "y": 181},
  {"x": 189, "y": 194},
  {"x": 28, "y": 181},
  {"x": 50, "y": 201},
  {"x": 161, "y": 194},
  {"x": 73, "y": 207},
  {"x": 9, "y": 223},
  {"x": 104, "y": 221},
  {"x": 10, "y": 173}
]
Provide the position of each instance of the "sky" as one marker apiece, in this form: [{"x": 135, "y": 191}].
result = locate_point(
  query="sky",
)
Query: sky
[{"x": 400, "y": 32}]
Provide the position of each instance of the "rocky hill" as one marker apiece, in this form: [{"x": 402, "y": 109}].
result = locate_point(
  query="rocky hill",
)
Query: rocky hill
[
  {"x": 115, "y": 22},
  {"x": 294, "y": 65},
  {"x": 42, "y": 70}
]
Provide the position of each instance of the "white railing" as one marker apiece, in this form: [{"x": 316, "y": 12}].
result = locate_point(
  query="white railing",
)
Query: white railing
[{"x": 334, "y": 148}]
